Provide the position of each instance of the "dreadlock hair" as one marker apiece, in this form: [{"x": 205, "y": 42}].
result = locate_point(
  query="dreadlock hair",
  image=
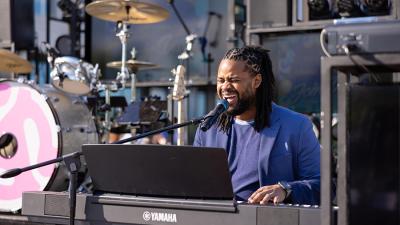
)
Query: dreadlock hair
[{"x": 257, "y": 61}]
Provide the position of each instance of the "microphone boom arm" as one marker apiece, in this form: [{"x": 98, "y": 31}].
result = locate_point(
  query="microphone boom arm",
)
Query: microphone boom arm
[{"x": 179, "y": 17}]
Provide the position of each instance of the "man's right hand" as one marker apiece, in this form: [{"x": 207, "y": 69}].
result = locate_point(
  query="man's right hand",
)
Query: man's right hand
[{"x": 271, "y": 193}]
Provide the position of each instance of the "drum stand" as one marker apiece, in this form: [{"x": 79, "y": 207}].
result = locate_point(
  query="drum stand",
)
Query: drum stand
[
  {"x": 106, "y": 107},
  {"x": 107, "y": 116},
  {"x": 124, "y": 75},
  {"x": 123, "y": 35}
]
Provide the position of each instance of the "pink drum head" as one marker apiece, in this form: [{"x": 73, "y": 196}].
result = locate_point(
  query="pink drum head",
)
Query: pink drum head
[{"x": 25, "y": 114}]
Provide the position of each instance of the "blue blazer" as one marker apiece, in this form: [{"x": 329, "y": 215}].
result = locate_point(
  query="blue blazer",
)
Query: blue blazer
[{"x": 289, "y": 151}]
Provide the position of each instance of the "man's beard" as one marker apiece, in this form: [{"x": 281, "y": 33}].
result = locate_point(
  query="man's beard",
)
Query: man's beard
[{"x": 243, "y": 103}]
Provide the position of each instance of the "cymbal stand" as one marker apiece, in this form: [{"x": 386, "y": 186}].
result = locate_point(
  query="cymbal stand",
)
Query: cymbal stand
[
  {"x": 123, "y": 35},
  {"x": 107, "y": 116},
  {"x": 133, "y": 87},
  {"x": 106, "y": 108},
  {"x": 124, "y": 75}
]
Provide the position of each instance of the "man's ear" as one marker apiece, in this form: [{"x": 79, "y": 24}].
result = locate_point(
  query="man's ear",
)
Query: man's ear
[{"x": 257, "y": 81}]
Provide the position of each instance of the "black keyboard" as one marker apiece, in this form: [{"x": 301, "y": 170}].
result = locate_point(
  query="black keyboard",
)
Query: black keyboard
[{"x": 53, "y": 207}]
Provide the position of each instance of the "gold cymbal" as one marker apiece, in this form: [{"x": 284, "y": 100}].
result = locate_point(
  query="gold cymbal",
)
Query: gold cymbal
[
  {"x": 12, "y": 63},
  {"x": 128, "y": 11},
  {"x": 132, "y": 65}
]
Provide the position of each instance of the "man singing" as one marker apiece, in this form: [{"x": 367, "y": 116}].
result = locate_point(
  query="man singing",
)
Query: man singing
[{"x": 273, "y": 153}]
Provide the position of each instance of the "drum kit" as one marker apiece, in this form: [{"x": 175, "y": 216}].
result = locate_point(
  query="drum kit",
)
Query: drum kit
[{"x": 42, "y": 123}]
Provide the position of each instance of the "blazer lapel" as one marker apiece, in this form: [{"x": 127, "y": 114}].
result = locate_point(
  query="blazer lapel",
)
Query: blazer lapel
[{"x": 267, "y": 142}]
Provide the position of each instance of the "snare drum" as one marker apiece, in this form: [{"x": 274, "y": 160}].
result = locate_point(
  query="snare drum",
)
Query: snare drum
[{"x": 37, "y": 125}]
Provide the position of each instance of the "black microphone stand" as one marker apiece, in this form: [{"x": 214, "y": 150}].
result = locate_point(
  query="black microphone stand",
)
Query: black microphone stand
[
  {"x": 171, "y": 2},
  {"x": 184, "y": 58},
  {"x": 72, "y": 162}
]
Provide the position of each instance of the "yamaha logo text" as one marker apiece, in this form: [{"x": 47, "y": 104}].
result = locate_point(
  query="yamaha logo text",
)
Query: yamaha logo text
[{"x": 159, "y": 217}]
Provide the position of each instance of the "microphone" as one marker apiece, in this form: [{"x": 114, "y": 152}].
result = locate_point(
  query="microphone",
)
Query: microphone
[
  {"x": 11, "y": 173},
  {"x": 213, "y": 115}
]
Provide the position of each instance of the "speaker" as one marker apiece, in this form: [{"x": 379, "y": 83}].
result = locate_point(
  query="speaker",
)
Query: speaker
[
  {"x": 374, "y": 150},
  {"x": 17, "y": 23},
  {"x": 267, "y": 14}
]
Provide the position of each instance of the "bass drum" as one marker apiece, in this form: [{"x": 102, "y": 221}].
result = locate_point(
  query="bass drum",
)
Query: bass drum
[{"x": 37, "y": 125}]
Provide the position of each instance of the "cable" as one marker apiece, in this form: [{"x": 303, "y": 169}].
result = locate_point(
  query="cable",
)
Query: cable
[
  {"x": 348, "y": 52},
  {"x": 321, "y": 40}
]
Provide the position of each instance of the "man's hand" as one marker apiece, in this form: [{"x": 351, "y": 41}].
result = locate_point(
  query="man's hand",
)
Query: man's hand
[{"x": 273, "y": 193}]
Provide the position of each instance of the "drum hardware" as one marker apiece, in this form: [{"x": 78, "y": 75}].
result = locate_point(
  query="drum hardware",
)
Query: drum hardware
[
  {"x": 107, "y": 119},
  {"x": 8, "y": 145},
  {"x": 124, "y": 13},
  {"x": 52, "y": 54},
  {"x": 60, "y": 74},
  {"x": 123, "y": 35},
  {"x": 12, "y": 63},
  {"x": 115, "y": 101},
  {"x": 105, "y": 125},
  {"x": 96, "y": 73},
  {"x": 133, "y": 65},
  {"x": 79, "y": 128},
  {"x": 107, "y": 109}
]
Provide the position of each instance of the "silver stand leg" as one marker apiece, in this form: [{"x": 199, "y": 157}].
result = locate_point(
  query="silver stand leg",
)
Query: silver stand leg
[
  {"x": 133, "y": 87},
  {"x": 123, "y": 35},
  {"x": 107, "y": 119}
]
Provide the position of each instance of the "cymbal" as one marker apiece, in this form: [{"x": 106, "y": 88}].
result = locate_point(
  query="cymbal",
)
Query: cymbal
[
  {"x": 12, "y": 63},
  {"x": 129, "y": 11},
  {"x": 133, "y": 65}
]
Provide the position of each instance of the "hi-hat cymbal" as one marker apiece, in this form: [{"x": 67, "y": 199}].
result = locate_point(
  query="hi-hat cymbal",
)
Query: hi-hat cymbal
[
  {"x": 128, "y": 11},
  {"x": 132, "y": 65},
  {"x": 12, "y": 63}
]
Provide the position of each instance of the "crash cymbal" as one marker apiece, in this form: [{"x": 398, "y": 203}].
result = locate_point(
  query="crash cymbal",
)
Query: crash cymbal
[
  {"x": 133, "y": 65},
  {"x": 12, "y": 63},
  {"x": 128, "y": 11}
]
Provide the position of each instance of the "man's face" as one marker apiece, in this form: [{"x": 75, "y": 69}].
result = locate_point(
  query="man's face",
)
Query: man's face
[{"x": 237, "y": 85}]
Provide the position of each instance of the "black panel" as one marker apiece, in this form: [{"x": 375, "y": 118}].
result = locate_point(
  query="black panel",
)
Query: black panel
[
  {"x": 373, "y": 146},
  {"x": 296, "y": 59},
  {"x": 159, "y": 170},
  {"x": 264, "y": 14},
  {"x": 22, "y": 24}
]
